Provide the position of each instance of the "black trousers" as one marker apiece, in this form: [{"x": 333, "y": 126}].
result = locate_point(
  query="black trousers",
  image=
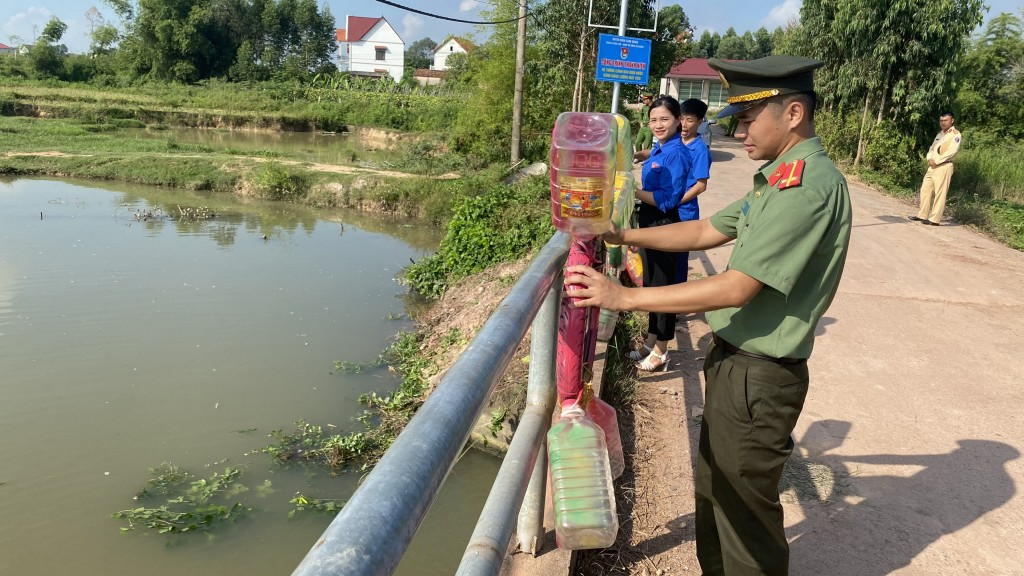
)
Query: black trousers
[
  {"x": 750, "y": 409},
  {"x": 659, "y": 270}
]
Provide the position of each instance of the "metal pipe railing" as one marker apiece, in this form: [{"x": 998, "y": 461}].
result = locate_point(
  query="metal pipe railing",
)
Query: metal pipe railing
[
  {"x": 374, "y": 529},
  {"x": 486, "y": 550}
]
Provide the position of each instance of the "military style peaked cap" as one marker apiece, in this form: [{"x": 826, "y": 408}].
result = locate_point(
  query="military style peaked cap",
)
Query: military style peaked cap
[{"x": 751, "y": 81}]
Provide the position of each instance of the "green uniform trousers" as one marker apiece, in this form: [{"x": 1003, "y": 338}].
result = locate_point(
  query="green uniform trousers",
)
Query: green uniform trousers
[
  {"x": 644, "y": 138},
  {"x": 750, "y": 409}
]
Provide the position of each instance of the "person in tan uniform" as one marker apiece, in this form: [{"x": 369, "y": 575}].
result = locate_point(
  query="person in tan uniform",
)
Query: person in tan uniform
[{"x": 940, "y": 171}]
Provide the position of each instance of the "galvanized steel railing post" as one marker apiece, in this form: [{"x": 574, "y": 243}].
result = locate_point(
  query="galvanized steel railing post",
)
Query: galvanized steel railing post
[
  {"x": 486, "y": 550},
  {"x": 541, "y": 393},
  {"x": 374, "y": 529}
]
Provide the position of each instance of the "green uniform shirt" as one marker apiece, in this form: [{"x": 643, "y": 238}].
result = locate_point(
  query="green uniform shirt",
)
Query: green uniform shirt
[{"x": 794, "y": 240}]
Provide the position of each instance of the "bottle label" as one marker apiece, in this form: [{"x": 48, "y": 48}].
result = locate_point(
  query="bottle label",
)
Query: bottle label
[{"x": 582, "y": 197}]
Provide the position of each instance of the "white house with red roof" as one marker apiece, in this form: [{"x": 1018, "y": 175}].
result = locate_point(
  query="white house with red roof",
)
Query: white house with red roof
[
  {"x": 370, "y": 47},
  {"x": 5, "y": 49},
  {"x": 453, "y": 45},
  {"x": 693, "y": 78}
]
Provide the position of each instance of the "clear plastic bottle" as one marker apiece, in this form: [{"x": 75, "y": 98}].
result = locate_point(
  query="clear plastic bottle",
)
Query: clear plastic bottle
[
  {"x": 581, "y": 483},
  {"x": 603, "y": 414}
]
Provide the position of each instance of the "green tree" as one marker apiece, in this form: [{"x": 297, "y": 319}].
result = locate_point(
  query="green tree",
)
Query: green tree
[
  {"x": 991, "y": 78},
  {"x": 671, "y": 43},
  {"x": 53, "y": 31},
  {"x": 103, "y": 37},
  {"x": 896, "y": 58},
  {"x": 245, "y": 68},
  {"x": 707, "y": 46},
  {"x": 46, "y": 57},
  {"x": 763, "y": 45},
  {"x": 190, "y": 40},
  {"x": 732, "y": 48},
  {"x": 420, "y": 53}
]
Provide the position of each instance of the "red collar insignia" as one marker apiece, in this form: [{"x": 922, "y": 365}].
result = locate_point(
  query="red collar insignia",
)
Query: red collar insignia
[
  {"x": 777, "y": 174},
  {"x": 793, "y": 173}
]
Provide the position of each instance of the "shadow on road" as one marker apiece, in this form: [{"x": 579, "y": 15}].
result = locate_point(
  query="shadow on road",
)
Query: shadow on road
[
  {"x": 862, "y": 525},
  {"x": 721, "y": 156}
]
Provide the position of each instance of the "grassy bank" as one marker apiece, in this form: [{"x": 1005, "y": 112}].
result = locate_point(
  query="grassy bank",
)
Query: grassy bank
[
  {"x": 101, "y": 151},
  {"x": 214, "y": 104}
]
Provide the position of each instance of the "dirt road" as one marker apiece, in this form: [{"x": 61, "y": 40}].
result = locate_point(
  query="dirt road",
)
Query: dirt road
[{"x": 910, "y": 443}]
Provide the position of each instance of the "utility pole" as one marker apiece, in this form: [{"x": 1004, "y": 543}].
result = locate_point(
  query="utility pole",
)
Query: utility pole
[
  {"x": 517, "y": 99},
  {"x": 623, "y": 9}
]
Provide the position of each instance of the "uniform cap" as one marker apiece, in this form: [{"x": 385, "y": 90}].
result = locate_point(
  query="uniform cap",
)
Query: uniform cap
[{"x": 751, "y": 81}]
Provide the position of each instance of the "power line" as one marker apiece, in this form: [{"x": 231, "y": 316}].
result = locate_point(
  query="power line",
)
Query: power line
[{"x": 438, "y": 16}]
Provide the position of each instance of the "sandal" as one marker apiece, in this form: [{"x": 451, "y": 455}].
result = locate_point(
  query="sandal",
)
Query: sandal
[
  {"x": 640, "y": 353},
  {"x": 654, "y": 361}
]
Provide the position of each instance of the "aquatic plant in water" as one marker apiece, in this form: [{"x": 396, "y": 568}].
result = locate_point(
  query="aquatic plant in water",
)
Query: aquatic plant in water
[{"x": 189, "y": 504}]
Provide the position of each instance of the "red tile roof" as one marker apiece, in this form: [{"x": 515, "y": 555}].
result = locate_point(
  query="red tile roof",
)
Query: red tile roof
[
  {"x": 693, "y": 68},
  {"x": 5, "y": 46},
  {"x": 358, "y": 26},
  {"x": 465, "y": 44}
]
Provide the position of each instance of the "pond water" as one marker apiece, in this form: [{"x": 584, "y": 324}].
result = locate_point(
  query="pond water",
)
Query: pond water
[{"x": 129, "y": 339}]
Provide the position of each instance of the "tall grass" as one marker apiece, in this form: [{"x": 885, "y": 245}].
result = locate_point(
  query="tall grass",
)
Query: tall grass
[{"x": 994, "y": 173}]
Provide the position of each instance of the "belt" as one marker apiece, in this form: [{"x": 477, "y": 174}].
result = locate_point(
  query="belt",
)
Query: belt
[{"x": 740, "y": 352}]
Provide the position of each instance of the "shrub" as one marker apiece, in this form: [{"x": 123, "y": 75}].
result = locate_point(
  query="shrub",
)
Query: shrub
[
  {"x": 502, "y": 224},
  {"x": 278, "y": 182},
  {"x": 839, "y": 134},
  {"x": 892, "y": 153}
]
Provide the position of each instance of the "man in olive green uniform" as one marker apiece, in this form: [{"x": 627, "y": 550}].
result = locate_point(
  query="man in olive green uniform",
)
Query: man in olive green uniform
[
  {"x": 940, "y": 171},
  {"x": 792, "y": 232},
  {"x": 644, "y": 136}
]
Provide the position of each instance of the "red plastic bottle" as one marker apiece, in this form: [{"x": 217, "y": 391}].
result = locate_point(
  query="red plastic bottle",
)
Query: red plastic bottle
[{"x": 584, "y": 149}]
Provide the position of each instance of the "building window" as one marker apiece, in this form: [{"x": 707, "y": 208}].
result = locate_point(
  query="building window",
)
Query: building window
[
  {"x": 689, "y": 89},
  {"x": 717, "y": 96},
  {"x": 380, "y": 53}
]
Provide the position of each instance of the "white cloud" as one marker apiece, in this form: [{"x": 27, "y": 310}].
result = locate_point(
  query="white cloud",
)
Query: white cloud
[
  {"x": 29, "y": 24},
  {"x": 782, "y": 14},
  {"x": 467, "y": 5},
  {"x": 21, "y": 24},
  {"x": 412, "y": 27}
]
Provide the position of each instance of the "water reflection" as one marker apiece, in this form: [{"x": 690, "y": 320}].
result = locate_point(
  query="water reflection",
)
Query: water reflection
[
  {"x": 271, "y": 219},
  {"x": 125, "y": 343}
]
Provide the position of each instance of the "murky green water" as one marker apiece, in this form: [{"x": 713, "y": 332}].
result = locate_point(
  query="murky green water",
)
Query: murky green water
[{"x": 126, "y": 342}]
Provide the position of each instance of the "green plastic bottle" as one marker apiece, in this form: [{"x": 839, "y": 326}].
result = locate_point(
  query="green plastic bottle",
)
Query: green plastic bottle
[{"x": 581, "y": 483}]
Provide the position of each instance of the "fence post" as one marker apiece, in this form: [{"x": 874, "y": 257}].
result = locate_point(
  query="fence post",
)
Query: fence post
[
  {"x": 489, "y": 543},
  {"x": 540, "y": 391}
]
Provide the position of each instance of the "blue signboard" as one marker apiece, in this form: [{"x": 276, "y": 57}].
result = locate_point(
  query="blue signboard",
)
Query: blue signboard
[{"x": 623, "y": 59}]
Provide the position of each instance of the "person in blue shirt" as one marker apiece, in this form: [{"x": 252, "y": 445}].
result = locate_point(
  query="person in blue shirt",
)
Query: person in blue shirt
[
  {"x": 693, "y": 111},
  {"x": 662, "y": 184}
]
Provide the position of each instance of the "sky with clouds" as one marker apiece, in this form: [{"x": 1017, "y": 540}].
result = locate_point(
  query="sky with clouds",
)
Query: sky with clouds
[{"x": 26, "y": 18}]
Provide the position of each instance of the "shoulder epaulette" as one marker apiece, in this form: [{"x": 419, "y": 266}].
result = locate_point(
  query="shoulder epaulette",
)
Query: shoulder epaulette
[{"x": 791, "y": 175}]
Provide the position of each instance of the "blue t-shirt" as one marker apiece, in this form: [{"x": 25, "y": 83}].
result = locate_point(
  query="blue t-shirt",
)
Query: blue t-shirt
[
  {"x": 700, "y": 167},
  {"x": 665, "y": 173}
]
